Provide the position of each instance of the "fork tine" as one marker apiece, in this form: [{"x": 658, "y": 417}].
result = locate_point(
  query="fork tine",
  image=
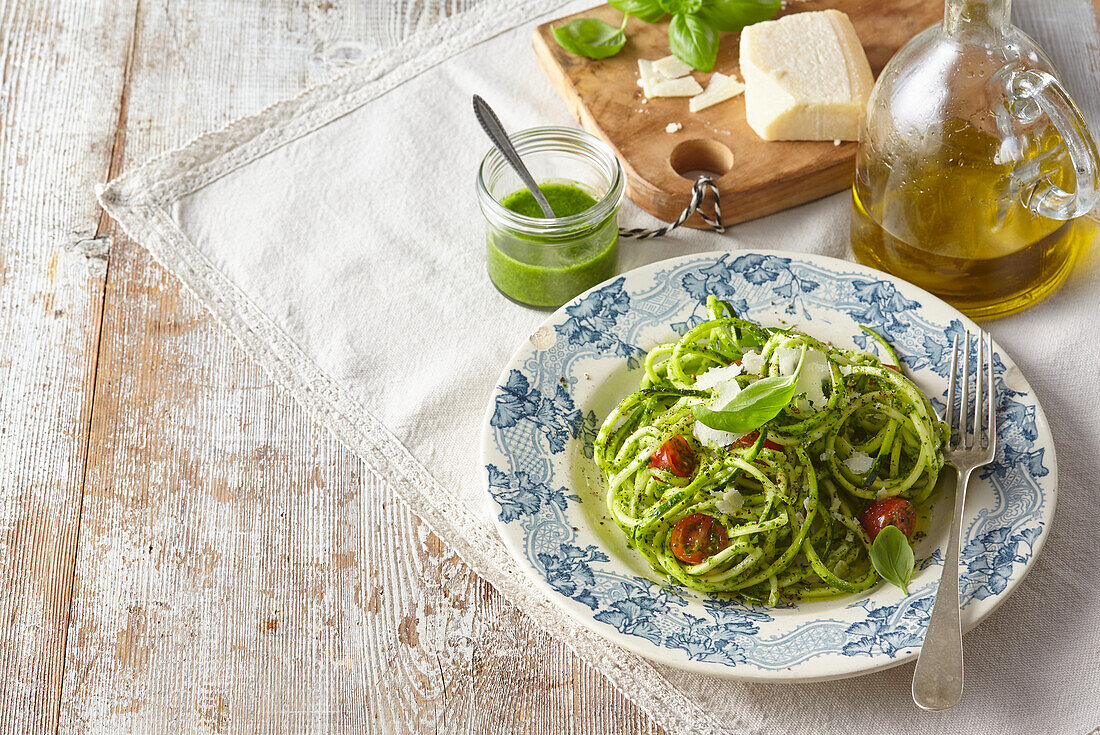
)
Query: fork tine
[
  {"x": 964, "y": 400},
  {"x": 979, "y": 370},
  {"x": 991, "y": 419},
  {"x": 951, "y": 390}
]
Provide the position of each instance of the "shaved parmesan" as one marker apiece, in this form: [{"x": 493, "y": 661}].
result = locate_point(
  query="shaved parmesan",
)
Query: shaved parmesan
[
  {"x": 714, "y": 437},
  {"x": 671, "y": 67},
  {"x": 727, "y": 390},
  {"x": 666, "y": 78},
  {"x": 716, "y": 375},
  {"x": 682, "y": 87},
  {"x": 753, "y": 362},
  {"x": 815, "y": 371},
  {"x": 720, "y": 89},
  {"x": 723, "y": 380},
  {"x": 648, "y": 76}
]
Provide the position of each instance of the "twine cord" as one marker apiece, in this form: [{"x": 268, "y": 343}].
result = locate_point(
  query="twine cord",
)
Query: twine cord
[{"x": 704, "y": 186}]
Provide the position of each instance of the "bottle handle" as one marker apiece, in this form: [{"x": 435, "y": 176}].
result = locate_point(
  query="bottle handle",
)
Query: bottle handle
[{"x": 1032, "y": 92}]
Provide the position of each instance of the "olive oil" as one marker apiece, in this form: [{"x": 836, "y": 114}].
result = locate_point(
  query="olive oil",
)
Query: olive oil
[{"x": 955, "y": 220}]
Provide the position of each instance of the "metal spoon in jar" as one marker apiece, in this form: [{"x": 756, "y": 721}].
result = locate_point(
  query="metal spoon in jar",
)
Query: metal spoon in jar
[{"x": 492, "y": 127}]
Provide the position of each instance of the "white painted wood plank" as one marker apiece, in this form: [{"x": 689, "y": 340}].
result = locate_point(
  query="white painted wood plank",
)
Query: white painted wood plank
[
  {"x": 1067, "y": 30},
  {"x": 52, "y": 269}
]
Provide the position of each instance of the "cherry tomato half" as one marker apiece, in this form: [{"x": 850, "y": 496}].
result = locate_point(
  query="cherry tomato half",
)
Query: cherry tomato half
[
  {"x": 888, "y": 512},
  {"x": 749, "y": 439},
  {"x": 675, "y": 457},
  {"x": 697, "y": 537}
]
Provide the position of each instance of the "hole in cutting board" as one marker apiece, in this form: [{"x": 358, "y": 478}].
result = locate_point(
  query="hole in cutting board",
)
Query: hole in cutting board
[{"x": 693, "y": 158}]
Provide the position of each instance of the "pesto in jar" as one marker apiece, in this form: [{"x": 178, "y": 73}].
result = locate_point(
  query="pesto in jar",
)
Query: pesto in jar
[{"x": 548, "y": 271}]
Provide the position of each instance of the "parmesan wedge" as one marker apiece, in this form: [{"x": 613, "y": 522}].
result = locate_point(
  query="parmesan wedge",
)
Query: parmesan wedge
[{"x": 806, "y": 77}]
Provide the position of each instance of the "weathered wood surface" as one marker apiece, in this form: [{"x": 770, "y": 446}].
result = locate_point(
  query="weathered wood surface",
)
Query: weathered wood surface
[
  {"x": 237, "y": 570},
  {"x": 181, "y": 550},
  {"x": 52, "y": 269}
]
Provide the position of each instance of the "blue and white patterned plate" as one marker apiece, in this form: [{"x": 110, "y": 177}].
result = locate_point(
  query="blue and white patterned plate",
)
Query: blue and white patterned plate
[{"x": 548, "y": 495}]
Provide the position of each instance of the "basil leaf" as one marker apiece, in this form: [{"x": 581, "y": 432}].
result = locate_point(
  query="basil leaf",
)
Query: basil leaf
[
  {"x": 680, "y": 7},
  {"x": 694, "y": 41},
  {"x": 649, "y": 11},
  {"x": 892, "y": 557},
  {"x": 591, "y": 38},
  {"x": 733, "y": 15},
  {"x": 756, "y": 405}
]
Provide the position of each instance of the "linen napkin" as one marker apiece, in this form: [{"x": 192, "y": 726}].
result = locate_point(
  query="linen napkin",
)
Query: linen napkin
[{"x": 337, "y": 236}]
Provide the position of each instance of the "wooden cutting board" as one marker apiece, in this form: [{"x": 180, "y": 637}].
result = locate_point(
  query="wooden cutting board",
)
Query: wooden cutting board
[{"x": 754, "y": 177}]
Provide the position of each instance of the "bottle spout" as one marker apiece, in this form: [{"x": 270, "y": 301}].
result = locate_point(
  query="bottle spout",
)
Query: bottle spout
[{"x": 977, "y": 19}]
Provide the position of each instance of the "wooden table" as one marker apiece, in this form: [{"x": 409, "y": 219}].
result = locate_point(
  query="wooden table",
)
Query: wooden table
[{"x": 181, "y": 550}]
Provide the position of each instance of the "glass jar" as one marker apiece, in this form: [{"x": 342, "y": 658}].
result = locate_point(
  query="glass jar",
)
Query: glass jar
[
  {"x": 974, "y": 167},
  {"x": 545, "y": 262}
]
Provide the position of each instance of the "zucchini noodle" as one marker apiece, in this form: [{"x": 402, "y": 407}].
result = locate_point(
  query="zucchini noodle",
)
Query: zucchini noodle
[{"x": 787, "y": 496}]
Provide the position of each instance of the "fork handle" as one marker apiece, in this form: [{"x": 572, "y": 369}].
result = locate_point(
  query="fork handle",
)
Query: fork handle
[{"x": 938, "y": 678}]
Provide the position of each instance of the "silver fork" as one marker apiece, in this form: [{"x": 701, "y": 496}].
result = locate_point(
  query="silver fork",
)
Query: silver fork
[{"x": 938, "y": 678}]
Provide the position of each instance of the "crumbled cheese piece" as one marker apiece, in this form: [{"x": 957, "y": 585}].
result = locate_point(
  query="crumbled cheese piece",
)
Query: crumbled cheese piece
[
  {"x": 719, "y": 89},
  {"x": 859, "y": 462},
  {"x": 717, "y": 375},
  {"x": 714, "y": 437},
  {"x": 730, "y": 502},
  {"x": 671, "y": 67},
  {"x": 672, "y": 127},
  {"x": 753, "y": 362},
  {"x": 682, "y": 87},
  {"x": 806, "y": 77}
]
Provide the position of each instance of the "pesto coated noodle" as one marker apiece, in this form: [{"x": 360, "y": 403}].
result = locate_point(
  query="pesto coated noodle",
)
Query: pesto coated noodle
[{"x": 773, "y": 514}]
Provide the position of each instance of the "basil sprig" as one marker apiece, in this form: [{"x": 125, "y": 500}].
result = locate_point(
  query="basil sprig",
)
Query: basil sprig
[
  {"x": 692, "y": 32},
  {"x": 591, "y": 38},
  {"x": 756, "y": 405},
  {"x": 892, "y": 557}
]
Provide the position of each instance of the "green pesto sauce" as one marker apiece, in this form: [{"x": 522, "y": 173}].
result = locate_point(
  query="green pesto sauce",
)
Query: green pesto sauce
[
  {"x": 565, "y": 199},
  {"x": 547, "y": 272}
]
